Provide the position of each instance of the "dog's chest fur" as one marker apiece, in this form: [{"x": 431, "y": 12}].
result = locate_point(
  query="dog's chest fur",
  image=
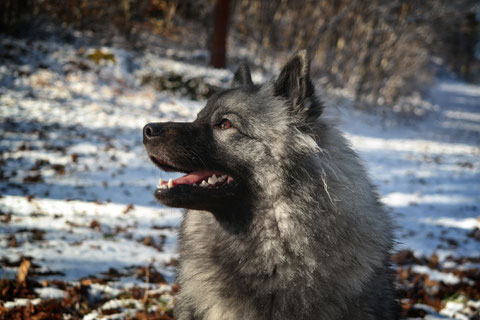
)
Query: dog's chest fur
[
  {"x": 223, "y": 277},
  {"x": 273, "y": 273}
]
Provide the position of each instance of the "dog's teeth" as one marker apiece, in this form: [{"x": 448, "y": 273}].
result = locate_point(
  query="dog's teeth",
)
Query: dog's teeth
[
  {"x": 212, "y": 180},
  {"x": 195, "y": 185},
  {"x": 222, "y": 178},
  {"x": 159, "y": 185},
  {"x": 170, "y": 183},
  {"x": 203, "y": 184}
]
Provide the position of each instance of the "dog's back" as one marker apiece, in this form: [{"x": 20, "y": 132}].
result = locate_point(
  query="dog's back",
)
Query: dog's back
[{"x": 303, "y": 235}]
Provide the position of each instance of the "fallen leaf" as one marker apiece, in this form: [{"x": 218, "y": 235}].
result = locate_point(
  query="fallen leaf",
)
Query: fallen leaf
[
  {"x": 23, "y": 271},
  {"x": 129, "y": 208},
  {"x": 95, "y": 225},
  {"x": 12, "y": 243}
]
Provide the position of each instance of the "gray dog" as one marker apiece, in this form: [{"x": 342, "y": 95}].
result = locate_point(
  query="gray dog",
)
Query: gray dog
[{"x": 283, "y": 222}]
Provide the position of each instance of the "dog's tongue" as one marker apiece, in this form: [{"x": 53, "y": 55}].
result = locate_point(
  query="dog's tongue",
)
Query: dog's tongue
[{"x": 194, "y": 177}]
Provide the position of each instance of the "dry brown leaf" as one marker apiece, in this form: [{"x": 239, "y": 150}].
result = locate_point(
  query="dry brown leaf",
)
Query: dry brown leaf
[
  {"x": 23, "y": 271},
  {"x": 96, "y": 225},
  {"x": 12, "y": 241},
  {"x": 86, "y": 282},
  {"x": 129, "y": 208}
]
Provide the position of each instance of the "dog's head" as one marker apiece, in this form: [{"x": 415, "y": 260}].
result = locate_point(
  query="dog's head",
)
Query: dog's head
[{"x": 240, "y": 143}]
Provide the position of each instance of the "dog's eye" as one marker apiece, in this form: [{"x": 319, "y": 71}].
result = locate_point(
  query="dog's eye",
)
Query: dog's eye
[{"x": 225, "y": 124}]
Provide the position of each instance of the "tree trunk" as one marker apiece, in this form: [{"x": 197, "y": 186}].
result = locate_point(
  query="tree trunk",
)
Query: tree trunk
[{"x": 218, "y": 47}]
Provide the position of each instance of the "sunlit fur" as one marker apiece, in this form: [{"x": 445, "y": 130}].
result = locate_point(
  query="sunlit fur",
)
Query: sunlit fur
[{"x": 318, "y": 241}]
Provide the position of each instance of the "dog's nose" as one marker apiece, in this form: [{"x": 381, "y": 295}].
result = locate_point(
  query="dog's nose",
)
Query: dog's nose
[{"x": 152, "y": 130}]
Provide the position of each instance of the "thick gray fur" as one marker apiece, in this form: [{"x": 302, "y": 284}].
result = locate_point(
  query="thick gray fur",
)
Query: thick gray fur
[{"x": 317, "y": 241}]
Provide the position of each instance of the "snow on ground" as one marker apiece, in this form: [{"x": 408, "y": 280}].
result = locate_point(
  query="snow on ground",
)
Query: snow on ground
[
  {"x": 76, "y": 185},
  {"x": 428, "y": 172}
]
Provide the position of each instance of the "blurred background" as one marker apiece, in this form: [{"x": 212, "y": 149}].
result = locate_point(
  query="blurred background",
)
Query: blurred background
[
  {"x": 81, "y": 236},
  {"x": 398, "y": 46}
]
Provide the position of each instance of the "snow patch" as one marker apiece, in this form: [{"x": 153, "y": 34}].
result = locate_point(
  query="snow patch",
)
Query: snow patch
[
  {"x": 448, "y": 278},
  {"x": 50, "y": 293}
]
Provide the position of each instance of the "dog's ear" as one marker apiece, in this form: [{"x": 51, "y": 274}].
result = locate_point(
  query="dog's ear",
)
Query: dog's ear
[
  {"x": 242, "y": 77},
  {"x": 295, "y": 85}
]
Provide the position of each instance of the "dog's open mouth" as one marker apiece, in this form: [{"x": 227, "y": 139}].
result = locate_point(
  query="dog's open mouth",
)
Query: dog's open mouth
[
  {"x": 200, "y": 188},
  {"x": 203, "y": 179},
  {"x": 194, "y": 178}
]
